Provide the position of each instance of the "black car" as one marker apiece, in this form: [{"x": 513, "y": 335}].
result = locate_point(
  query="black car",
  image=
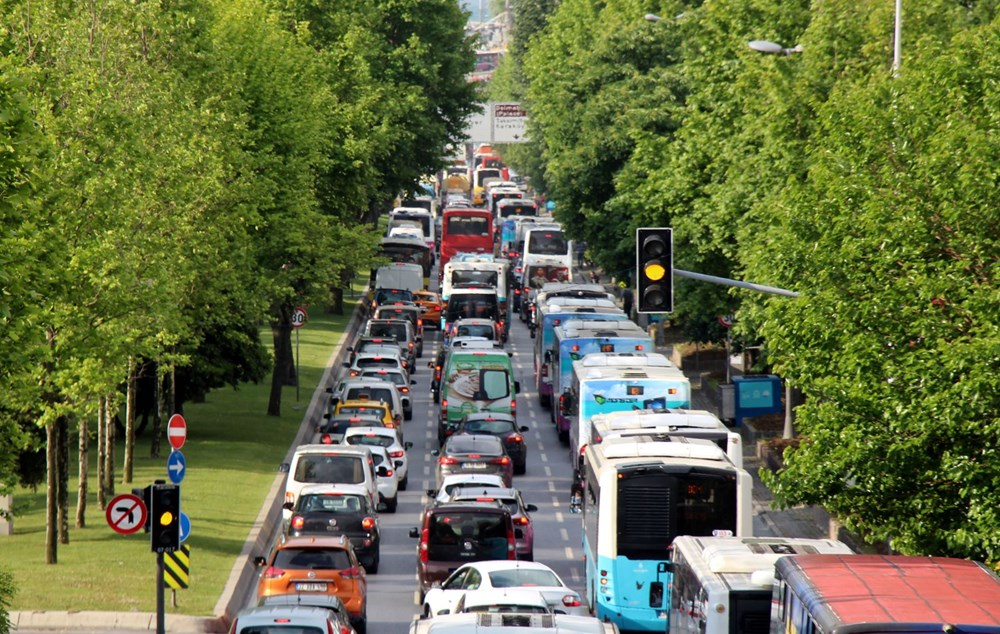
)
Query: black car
[
  {"x": 332, "y": 431},
  {"x": 504, "y": 427},
  {"x": 323, "y": 510}
]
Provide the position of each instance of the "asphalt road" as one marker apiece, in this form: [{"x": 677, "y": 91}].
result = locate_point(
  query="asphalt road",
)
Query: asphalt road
[{"x": 392, "y": 593}]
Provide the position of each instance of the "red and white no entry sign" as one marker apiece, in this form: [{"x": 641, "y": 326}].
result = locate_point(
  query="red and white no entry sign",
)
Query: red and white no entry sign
[
  {"x": 126, "y": 513},
  {"x": 176, "y": 431}
]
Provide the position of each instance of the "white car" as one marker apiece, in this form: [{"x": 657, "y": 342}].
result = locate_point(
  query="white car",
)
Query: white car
[
  {"x": 400, "y": 378},
  {"x": 388, "y": 485},
  {"x": 500, "y": 574},
  {"x": 456, "y": 480},
  {"x": 525, "y": 624},
  {"x": 351, "y": 388},
  {"x": 503, "y": 601},
  {"x": 385, "y": 438}
]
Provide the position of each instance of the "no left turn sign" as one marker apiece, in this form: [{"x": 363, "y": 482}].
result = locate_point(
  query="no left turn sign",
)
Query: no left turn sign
[{"x": 126, "y": 514}]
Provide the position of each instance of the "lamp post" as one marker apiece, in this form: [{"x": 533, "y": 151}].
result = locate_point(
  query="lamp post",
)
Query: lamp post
[{"x": 897, "y": 39}]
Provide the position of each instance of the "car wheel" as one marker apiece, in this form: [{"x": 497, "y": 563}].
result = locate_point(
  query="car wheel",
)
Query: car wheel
[
  {"x": 407, "y": 414},
  {"x": 427, "y": 611},
  {"x": 544, "y": 401},
  {"x": 391, "y": 504},
  {"x": 437, "y": 397},
  {"x": 564, "y": 436},
  {"x": 404, "y": 482},
  {"x": 360, "y": 625},
  {"x": 373, "y": 568},
  {"x": 520, "y": 469}
]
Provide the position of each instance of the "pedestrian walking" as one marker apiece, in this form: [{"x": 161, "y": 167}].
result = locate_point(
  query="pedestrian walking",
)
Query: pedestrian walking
[{"x": 628, "y": 299}]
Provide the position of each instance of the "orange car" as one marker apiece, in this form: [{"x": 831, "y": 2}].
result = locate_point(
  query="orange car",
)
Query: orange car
[
  {"x": 317, "y": 565},
  {"x": 432, "y": 303}
]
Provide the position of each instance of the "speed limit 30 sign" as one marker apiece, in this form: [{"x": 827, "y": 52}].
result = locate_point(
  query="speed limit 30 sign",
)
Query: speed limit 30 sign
[{"x": 299, "y": 317}]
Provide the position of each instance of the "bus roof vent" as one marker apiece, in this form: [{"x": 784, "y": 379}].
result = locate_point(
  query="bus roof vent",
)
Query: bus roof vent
[
  {"x": 637, "y": 449},
  {"x": 642, "y": 359}
]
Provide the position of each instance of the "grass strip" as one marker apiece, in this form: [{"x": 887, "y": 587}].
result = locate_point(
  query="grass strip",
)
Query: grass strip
[{"x": 232, "y": 451}]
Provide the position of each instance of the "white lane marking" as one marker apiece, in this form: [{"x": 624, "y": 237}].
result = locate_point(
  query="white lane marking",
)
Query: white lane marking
[
  {"x": 548, "y": 471},
  {"x": 569, "y": 553},
  {"x": 427, "y": 469},
  {"x": 575, "y": 575},
  {"x": 560, "y": 517},
  {"x": 544, "y": 457},
  {"x": 552, "y": 486},
  {"x": 565, "y": 534}
]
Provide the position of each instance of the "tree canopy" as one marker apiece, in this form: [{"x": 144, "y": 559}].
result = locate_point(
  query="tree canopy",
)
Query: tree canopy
[{"x": 870, "y": 193}]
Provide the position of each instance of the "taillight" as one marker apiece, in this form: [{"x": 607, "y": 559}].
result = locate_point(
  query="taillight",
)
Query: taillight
[
  {"x": 273, "y": 573},
  {"x": 397, "y": 454},
  {"x": 511, "y": 545},
  {"x": 571, "y": 600},
  {"x": 583, "y": 448},
  {"x": 390, "y": 425},
  {"x": 345, "y": 630},
  {"x": 325, "y": 439},
  {"x": 354, "y": 372},
  {"x": 515, "y": 438},
  {"x": 424, "y": 536},
  {"x": 447, "y": 460},
  {"x": 410, "y": 345},
  {"x": 389, "y": 474},
  {"x": 504, "y": 460},
  {"x": 368, "y": 523},
  {"x": 351, "y": 573},
  {"x": 513, "y": 406},
  {"x": 523, "y": 521},
  {"x": 298, "y": 522},
  {"x": 289, "y": 497},
  {"x": 404, "y": 390},
  {"x": 517, "y": 291}
]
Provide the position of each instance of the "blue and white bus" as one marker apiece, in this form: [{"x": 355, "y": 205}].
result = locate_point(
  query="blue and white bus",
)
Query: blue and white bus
[
  {"x": 603, "y": 383},
  {"x": 638, "y": 495},
  {"x": 574, "y": 339}
]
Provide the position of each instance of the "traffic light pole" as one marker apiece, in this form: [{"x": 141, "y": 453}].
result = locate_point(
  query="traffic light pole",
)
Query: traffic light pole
[
  {"x": 728, "y": 282},
  {"x": 160, "y": 625}
]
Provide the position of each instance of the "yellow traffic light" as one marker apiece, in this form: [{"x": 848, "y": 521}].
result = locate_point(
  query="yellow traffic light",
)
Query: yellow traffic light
[
  {"x": 166, "y": 519},
  {"x": 654, "y": 271}
]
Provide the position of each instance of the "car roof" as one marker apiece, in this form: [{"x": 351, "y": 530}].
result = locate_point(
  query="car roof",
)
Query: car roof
[
  {"x": 267, "y": 614},
  {"x": 504, "y": 416},
  {"x": 494, "y": 565},
  {"x": 317, "y": 541},
  {"x": 333, "y": 487},
  {"x": 475, "y": 478},
  {"x": 475, "y": 321},
  {"x": 470, "y": 492},
  {"x": 521, "y": 595},
  {"x": 388, "y": 432},
  {"x": 324, "y": 601}
]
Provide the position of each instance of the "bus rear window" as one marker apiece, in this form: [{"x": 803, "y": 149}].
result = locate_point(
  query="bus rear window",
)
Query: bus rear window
[
  {"x": 547, "y": 243},
  {"x": 467, "y": 226}
]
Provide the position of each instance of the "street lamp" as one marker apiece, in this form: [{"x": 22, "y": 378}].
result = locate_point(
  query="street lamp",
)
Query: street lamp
[
  {"x": 763, "y": 46},
  {"x": 651, "y": 17}
]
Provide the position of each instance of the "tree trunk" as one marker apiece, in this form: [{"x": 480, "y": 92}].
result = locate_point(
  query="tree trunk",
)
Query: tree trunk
[
  {"x": 109, "y": 450},
  {"x": 290, "y": 371},
  {"x": 82, "y": 458},
  {"x": 337, "y": 305},
  {"x": 51, "y": 490},
  {"x": 274, "y": 402},
  {"x": 62, "y": 429},
  {"x": 161, "y": 395},
  {"x": 102, "y": 493},
  {"x": 129, "y": 423}
]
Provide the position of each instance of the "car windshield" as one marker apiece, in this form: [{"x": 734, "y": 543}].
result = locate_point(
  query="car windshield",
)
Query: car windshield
[
  {"x": 371, "y": 440},
  {"x": 518, "y": 577},
  {"x": 475, "y": 330},
  {"x": 388, "y": 329},
  {"x": 369, "y": 394},
  {"x": 468, "y": 226},
  {"x": 360, "y": 411},
  {"x": 336, "y": 503},
  {"x": 547, "y": 243},
  {"x": 450, "y": 488},
  {"x": 338, "y": 425},
  {"x": 312, "y": 559},
  {"x": 462, "y": 445},
  {"x": 394, "y": 377},
  {"x": 486, "y": 278}
]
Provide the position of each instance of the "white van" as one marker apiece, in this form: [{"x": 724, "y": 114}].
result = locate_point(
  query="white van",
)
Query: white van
[
  {"x": 402, "y": 275},
  {"x": 329, "y": 464}
]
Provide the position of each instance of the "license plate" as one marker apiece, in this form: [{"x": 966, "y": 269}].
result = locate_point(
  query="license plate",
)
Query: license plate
[
  {"x": 475, "y": 465},
  {"x": 310, "y": 587}
]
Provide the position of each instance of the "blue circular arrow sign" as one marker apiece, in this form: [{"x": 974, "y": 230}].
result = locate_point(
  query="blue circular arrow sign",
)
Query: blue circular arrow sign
[
  {"x": 176, "y": 466},
  {"x": 185, "y": 527}
]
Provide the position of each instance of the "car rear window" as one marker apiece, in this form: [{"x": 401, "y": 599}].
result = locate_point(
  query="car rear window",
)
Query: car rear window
[
  {"x": 485, "y": 445},
  {"x": 394, "y": 377},
  {"x": 487, "y": 426},
  {"x": 371, "y": 440},
  {"x": 377, "y": 362},
  {"x": 388, "y": 330},
  {"x": 326, "y": 503},
  {"x": 471, "y": 536},
  {"x": 312, "y": 559},
  {"x": 515, "y": 578},
  {"x": 361, "y": 411},
  {"x": 372, "y": 394},
  {"x": 475, "y": 330},
  {"x": 280, "y": 629},
  {"x": 330, "y": 468}
]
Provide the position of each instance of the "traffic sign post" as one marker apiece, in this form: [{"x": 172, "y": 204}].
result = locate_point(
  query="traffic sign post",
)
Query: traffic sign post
[
  {"x": 126, "y": 514},
  {"x": 176, "y": 431},
  {"x": 299, "y": 319}
]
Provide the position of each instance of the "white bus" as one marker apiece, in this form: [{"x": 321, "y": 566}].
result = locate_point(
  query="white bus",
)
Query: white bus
[
  {"x": 614, "y": 382},
  {"x": 638, "y": 496},
  {"x": 723, "y": 585},
  {"x": 547, "y": 257},
  {"x": 691, "y": 423}
]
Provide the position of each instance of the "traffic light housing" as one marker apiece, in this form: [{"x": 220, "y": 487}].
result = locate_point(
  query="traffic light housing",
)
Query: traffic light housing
[
  {"x": 654, "y": 267},
  {"x": 146, "y": 495},
  {"x": 165, "y": 522}
]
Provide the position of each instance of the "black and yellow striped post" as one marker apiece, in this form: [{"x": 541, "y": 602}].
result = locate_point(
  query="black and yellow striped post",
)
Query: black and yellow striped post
[{"x": 177, "y": 567}]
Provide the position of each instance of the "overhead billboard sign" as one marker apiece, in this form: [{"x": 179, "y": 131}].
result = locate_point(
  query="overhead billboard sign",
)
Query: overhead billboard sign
[{"x": 502, "y": 122}]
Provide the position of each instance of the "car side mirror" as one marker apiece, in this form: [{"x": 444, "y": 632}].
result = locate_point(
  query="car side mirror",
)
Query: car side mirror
[
  {"x": 407, "y": 445},
  {"x": 284, "y": 467},
  {"x": 259, "y": 561},
  {"x": 414, "y": 381},
  {"x": 288, "y": 506},
  {"x": 431, "y": 493},
  {"x": 414, "y": 533},
  {"x": 329, "y": 390},
  {"x": 531, "y": 508},
  {"x": 326, "y": 416},
  {"x": 444, "y": 611},
  {"x": 548, "y": 356},
  {"x": 522, "y": 428},
  {"x": 383, "y": 472},
  {"x": 517, "y": 387},
  {"x": 347, "y": 365},
  {"x": 435, "y": 452}
]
